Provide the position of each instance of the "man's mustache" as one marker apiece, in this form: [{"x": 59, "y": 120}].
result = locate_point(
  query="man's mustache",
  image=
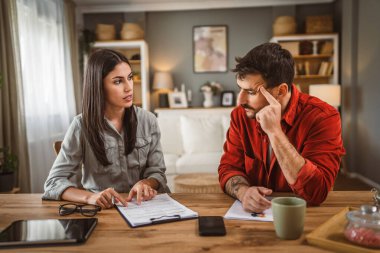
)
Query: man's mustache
[{"x": 245, "y": 106}]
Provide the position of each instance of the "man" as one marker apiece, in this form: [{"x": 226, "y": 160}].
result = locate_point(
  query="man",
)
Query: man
[{"x": 279, "y": 139}]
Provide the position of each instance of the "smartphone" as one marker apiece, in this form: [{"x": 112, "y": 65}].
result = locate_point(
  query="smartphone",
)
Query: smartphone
[{"x": 211, "y": 226}]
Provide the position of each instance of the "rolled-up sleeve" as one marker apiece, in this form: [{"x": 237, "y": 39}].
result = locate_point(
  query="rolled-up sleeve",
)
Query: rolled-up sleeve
[
  {"x": 66, "y": 165},
  {"x": 155, "y": 167},
  {"x": 322, "y": 151}
]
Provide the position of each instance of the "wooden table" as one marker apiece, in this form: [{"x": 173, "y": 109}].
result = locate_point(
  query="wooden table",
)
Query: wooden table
[{"x": 112, "y": 234}]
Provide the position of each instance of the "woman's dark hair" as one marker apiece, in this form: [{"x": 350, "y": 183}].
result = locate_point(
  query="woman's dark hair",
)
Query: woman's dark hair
[
  {"x": 275, "y": 64},
  {"x": 100, "y": 63}
]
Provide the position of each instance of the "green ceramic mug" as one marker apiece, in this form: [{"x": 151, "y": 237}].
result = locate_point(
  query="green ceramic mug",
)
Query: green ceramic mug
[{"x": 288, "y": 217}]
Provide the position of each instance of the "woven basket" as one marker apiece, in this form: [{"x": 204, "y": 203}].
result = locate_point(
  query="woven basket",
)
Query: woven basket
[
  {"x": 284, "y": 25},
  {"x": 131, "y": 31},
  {"x": 319, "y": 24},
  {"x": 105, "y": 32}
]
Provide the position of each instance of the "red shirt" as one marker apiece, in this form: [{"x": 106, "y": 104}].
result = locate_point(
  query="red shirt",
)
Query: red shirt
[{"x": 312, "y": 126}]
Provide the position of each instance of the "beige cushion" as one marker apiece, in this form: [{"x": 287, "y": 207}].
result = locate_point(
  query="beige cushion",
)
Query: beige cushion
[{"x": 201, "y": 134}]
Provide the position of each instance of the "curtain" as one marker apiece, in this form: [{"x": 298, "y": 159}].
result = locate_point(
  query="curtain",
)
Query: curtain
[
  {"x": 12, "y": 123},
  {"x": 47, "y": 81},
  {"x": 71, "y": 31}
]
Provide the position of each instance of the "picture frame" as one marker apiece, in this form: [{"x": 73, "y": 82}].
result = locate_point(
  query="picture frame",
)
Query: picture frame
[
  {"x": 177, "y": 100},
  {"x": 227, "y": 98},
  {"x": 210, "y": 49}
]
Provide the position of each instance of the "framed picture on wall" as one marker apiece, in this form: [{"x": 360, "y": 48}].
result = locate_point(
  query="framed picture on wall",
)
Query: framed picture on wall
[
  {"x": 177, "y": 100},
  {"x": 210, "y": 48},
  {"x": 228, "y": 98}
]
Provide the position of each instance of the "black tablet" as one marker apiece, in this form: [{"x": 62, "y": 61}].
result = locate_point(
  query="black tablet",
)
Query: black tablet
[{"x": 47, "y": 232}]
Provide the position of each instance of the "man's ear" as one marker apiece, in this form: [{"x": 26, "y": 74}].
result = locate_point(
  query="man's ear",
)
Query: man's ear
[{"x": 282, "y": 90}]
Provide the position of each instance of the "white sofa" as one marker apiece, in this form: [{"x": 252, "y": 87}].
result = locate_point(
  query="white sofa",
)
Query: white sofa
[{"x": 192, "y": 139}]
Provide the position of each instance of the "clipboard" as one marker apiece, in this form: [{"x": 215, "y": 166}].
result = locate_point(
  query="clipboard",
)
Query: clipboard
[{"x": 161, "y": 209}]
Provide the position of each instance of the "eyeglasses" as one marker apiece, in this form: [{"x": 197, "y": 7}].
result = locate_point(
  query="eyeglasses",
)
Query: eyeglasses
[{"x": 84, "y": 209}]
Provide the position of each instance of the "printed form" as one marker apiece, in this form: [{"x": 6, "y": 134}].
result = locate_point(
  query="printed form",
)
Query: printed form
[{"x": 160, "y": 208}]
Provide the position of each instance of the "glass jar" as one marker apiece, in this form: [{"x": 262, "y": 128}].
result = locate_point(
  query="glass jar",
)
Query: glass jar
[{"x": 363, "y": 226}]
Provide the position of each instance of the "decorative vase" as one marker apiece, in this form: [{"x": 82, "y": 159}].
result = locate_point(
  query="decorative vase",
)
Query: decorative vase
[{"x": 208, "y": 99}]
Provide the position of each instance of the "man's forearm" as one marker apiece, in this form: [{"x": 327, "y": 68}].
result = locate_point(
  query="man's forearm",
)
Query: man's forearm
[
  {"x": 234, "y": 184},
  {"x": 288, "y": 158}
]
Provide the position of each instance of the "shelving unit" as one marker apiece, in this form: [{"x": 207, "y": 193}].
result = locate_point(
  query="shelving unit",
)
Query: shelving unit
[
  {"x": 315, "y": 67},
  {"x": 141, "y": 95}
]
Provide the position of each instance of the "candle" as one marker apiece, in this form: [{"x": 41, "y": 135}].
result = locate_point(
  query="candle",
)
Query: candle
[
  {"x": 183, "y": 88},
  {"x": 189, "y": 95}
]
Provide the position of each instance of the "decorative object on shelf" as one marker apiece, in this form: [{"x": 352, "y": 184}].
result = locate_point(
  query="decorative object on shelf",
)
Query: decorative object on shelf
[
  {"x": 319, "y": 24},
  {"x": 228, "y": 98},
  {"x": 136, "y": 57},
  {"x": 131, "y": 31},
  {"x": 163, "y": 82},
  {"x": 8, "y": 167},
  {"x": 306, "y": 47},
  {"x": 210, "y": 89},
  {"x": 105, "y": 32},
  {"x": 330, "y": 93},
  {"x": 210, "y": 49},
  {"x": 136, "y": 76},
  {"x": 177, "y": 100},
  {"x": 284, "y": 25}
]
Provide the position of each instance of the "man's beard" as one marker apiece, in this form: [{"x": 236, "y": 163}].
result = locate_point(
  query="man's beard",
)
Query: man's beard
[{"x": 251, "y": 114}]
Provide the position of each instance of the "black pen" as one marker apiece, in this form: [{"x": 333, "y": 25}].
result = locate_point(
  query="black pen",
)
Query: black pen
[{"x": 255, "y": 214}]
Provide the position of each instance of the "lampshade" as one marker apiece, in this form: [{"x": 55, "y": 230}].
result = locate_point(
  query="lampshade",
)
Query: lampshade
[
  {"x": 162, "y": 80},
  {"x": 330, "y": 93}
]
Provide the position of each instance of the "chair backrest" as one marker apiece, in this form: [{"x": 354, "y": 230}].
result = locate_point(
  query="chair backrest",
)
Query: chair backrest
[{"x": 57, "y": 146}]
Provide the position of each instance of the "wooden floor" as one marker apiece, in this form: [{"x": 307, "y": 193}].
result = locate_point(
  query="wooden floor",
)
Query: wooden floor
[{"x": 346, "y": 183}]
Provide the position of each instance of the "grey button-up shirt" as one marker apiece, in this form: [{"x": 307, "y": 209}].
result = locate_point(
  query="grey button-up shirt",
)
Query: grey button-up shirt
[{"x": 145, "y": 161}]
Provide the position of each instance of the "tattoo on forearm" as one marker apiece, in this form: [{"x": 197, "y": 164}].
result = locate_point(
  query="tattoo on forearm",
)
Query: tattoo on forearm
[{"x": 233, "y": 185}]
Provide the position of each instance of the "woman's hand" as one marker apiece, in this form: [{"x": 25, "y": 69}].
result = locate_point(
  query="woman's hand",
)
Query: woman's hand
[
  {"x": 104, "y": 198},
  {"x": 143, "y": 190}
]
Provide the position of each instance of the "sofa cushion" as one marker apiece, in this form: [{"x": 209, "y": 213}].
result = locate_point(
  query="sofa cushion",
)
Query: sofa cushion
[
  {"x": 199, "y": 163},
  {"x": 226, "y": 126},
  {"x": 171, "y": 140},
  {"x": 201, "y": 134},
  {"x": 170, "y": 163}
]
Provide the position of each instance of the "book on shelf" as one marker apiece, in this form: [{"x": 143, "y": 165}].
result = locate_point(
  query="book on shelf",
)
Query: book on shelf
[
  {"x": 323, "y": 68},
  {"x": 307, "y": 67},
  {"x": 330, "y": 69}
]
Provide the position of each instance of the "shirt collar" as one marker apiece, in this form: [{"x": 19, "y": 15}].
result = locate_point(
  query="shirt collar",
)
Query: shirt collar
[{"x": 291, "y": 108}]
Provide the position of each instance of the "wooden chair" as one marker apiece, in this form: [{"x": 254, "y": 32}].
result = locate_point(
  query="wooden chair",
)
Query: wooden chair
[{"x": 57, "y": 146}]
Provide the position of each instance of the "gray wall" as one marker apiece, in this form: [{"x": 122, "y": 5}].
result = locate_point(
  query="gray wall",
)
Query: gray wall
[
  {"x": 169, "y": 37},
  {"x": 360, "y": 79}
]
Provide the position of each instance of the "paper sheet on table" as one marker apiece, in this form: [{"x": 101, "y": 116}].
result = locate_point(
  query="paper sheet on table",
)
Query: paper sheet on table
[
  {"x": 160, "y": 209},
  {"x": 236, "y": 212}
]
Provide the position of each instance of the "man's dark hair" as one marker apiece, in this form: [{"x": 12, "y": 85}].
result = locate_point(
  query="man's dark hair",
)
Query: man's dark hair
[{"x": 275, "y": 64}]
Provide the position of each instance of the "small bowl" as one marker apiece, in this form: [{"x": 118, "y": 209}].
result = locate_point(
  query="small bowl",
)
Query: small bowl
[{"x": 363, "y": 227}]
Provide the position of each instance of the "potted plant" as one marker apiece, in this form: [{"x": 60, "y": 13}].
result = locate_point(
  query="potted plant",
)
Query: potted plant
[{"x": 8, "y": 167}]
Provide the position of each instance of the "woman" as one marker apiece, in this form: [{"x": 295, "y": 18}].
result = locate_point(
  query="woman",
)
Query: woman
[{"x": 118, "y": 143}]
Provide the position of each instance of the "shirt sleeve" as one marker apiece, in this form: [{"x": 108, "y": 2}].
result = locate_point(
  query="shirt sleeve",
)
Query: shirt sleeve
[
  {"x": 232, "y": 161},
  {"x": 66, "y": 165},
  {"x": 322, "y": 152},
  {"x": 155, "y": 161}
]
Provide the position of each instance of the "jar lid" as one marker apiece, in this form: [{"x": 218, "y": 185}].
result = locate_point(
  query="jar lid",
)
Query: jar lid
[{"x": 368, "y": 216}]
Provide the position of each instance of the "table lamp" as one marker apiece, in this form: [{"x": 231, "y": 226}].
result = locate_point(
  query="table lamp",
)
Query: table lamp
[
  {"x": 330, "y": 93},
  {"x": 163, "y": 82}
]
